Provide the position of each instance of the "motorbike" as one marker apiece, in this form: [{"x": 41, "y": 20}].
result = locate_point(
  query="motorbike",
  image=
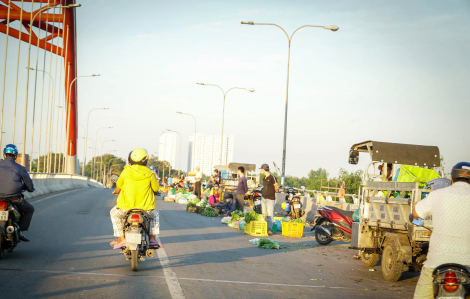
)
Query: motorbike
[
  {"x": 450, "y": 280},
  {"x": 9, "y": 229},
  {"x": 332, "y": 224},
  {"x": 256, "y": 196},
  {"x": 293, "y": 204},
  {"x": 136, "y": 228}
]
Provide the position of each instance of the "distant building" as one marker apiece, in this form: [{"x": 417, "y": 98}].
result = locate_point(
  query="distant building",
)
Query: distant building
[
  {"x": 205, "y": 152},
  {"x": 167, "y": 148}
]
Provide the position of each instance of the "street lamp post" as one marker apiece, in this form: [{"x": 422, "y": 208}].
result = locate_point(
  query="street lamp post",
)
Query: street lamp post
[
  {"x": 96, "y": 140},
  {"x": 289, "y": 39},
  {"x": 84, "y": 165},
  {"x": 195, "y": 126},
  {"x": 86, "y": 135},
  {"x": 179, "y": 163},
  {"x": 93, "y": 159},
  {"x": 223, "y": 113}
]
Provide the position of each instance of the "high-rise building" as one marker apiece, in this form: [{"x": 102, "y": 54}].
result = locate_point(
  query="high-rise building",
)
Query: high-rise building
[
  {"x": 204, "y": 151},
  {"x": 167, "y": 148}
]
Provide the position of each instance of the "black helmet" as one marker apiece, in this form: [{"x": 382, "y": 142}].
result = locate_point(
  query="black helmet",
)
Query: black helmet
[{"x": 461, "y": 171}]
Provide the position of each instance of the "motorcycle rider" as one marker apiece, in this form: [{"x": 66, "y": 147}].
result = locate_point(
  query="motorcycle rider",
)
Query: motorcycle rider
[
  {"x": 14, "y": 178},
  {"x": 450, "y": 239},
  {"x": 136, "y": 187}
]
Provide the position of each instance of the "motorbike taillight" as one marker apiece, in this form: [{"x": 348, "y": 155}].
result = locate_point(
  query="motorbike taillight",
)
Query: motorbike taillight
[
  {"x": 450, "y": 282},
  {"x": 135, "y": 218},
  {"x": 3, "y": 204},
  {"x": 256, "y": 194}
]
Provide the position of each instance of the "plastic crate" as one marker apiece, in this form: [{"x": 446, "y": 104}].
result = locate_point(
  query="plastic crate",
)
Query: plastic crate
[
  {"x": 290, "y": 229},
  {"x": 257, "y": 228}
]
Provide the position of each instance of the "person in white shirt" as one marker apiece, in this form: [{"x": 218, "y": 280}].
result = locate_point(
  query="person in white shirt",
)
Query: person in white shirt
[
  {"x": 197, "y": 185},
  {"x": 450, "y": 238}
]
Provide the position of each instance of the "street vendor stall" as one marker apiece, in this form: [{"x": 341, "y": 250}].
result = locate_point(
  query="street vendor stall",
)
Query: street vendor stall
[{"x": 230, "y": 177}]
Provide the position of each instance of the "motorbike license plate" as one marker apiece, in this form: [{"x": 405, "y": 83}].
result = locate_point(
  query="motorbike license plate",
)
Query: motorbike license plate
[
  {"x": 297, "y": 206},
  {"x": 257, "y": 202},
  {"x": 4, "y": 216},
  {"x": 133, "y": 238}
]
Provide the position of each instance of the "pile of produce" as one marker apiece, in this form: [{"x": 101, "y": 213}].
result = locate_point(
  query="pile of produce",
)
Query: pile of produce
[
  {"x": 225, "y": 220},
  {"x": 209, "y": 212},
  {"x": 192, "y": 209},
  {"x": 181, "y": 190},
  {"x": 190, "y": 205},
  {"x": 203, "y": 203},
  {"x": 194, "y": 200},
  {"x": 237, "y": 215},
  {"x": 266, "y": 243},
  {"x": 253, "y": 216},
  {"x": 295, "y": 221}
]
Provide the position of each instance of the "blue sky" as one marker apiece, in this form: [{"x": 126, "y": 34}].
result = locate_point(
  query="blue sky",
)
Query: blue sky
[{"x": 395, "y": 71}]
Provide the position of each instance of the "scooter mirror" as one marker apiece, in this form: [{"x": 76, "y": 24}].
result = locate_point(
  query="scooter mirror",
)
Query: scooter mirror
[{"x": 417, "y": 222}]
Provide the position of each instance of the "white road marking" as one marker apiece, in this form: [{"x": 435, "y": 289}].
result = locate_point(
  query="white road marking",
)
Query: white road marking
[
  {"x": 171, "y": 280},
  {"x": 189, "y": 279},
  {"x": 54, "y": 195}
]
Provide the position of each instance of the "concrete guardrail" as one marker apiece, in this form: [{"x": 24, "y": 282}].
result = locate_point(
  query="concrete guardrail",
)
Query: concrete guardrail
[{"x": 45, "y": 183}]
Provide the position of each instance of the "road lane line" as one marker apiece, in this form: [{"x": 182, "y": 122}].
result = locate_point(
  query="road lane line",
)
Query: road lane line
[
  {"x": 55, "y": 195},
  {"x": 196, "y": 279},
  {"x": 171, "y": 280}
]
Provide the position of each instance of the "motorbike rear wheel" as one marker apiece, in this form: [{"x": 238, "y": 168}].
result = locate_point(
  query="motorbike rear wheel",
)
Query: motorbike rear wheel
[
  {"x": 369, "y": 259},
  {"x": 322, "y": 239},
  {"x": 134, "y": 260},
  {"x": 391, "y": 266}
]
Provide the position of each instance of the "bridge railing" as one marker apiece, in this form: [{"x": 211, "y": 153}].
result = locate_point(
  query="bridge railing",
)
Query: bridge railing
[{"x": 45, "y": 183}]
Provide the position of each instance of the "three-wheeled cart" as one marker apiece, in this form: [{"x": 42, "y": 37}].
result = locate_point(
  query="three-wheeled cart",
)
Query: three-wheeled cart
[{"x": 384, "y": 227}]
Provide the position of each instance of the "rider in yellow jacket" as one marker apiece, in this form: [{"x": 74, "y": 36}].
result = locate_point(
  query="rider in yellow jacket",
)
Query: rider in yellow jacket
[{"x": 136, "y": 187}]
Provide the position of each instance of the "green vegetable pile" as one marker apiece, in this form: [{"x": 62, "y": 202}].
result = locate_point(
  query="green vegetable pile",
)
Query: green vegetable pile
[
  {"x": 181, "y": 190},
  {"x": 252, "y": 216},
  {"x": 295, "y": 221},
  {"x": 190, "y": 204},
  {"x": 195, "y": 200},
  {"x": 268, "y": 244},
  {"x": 236, "y": 215},
  {"x": 208, "y": 212}
]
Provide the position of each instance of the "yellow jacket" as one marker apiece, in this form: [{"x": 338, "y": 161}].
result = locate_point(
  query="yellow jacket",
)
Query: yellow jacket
[{"x": 137, "y": 184}]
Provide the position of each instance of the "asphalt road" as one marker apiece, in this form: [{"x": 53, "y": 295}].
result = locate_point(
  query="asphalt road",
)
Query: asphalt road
[{"x": 69, "y": 257}]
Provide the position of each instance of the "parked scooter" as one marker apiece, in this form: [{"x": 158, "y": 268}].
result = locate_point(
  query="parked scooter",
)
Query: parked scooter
[
  {"x": 9, "y": 229},
  {"x": 332, "y": 224},
  {"x": 293, "y": 204},
  {"x": 256, "y": 196}
]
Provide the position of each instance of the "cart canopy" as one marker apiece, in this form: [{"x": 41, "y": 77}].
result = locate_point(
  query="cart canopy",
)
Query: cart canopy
[
  {"x": 248, "y": 167},
  {"x": 397, "y": 153}
]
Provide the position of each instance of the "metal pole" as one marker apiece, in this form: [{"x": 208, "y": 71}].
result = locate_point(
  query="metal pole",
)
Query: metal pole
[
  {"x": 223, "y": 113},
  {"x": 96, "y": 141},
  {"x": 222, "y": 136},
  {"x": 4, "y": 72},
  {"x": 330, "y": 27}
]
